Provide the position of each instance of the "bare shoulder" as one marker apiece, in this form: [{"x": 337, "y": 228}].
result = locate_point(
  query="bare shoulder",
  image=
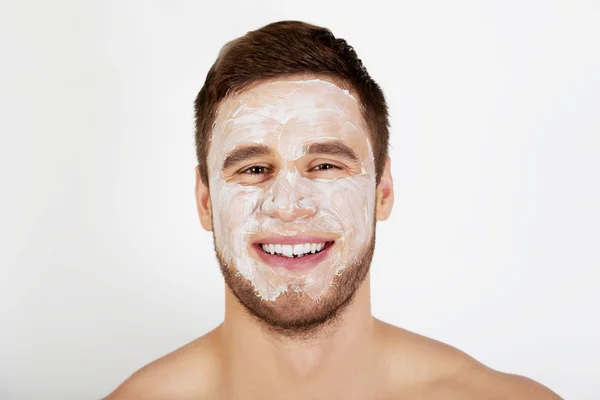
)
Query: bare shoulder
[
  {"x": 188, "y": 372},
  {"x": 485, "y": 382},
  {"x": 424, "y": 368}
]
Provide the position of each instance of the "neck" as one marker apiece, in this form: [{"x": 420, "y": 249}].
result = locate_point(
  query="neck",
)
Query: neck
[{"x": 327, "y": 359}]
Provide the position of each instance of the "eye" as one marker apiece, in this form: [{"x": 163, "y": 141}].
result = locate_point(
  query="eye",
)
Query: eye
[
  {"x": 255, "y": 170},
  {"x": 325, "y": 167}
]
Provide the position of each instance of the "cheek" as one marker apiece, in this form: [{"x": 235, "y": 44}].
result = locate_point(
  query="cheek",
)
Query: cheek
[
  {"x": 235, "y": 210},
  {"x": 352, "y": 202}
]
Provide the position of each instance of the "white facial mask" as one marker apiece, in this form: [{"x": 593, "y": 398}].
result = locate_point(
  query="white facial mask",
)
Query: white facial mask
[{"x": 286, "y": 116}]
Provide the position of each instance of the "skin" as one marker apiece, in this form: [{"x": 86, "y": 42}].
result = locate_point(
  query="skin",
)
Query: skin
[{"x": 354, "y": 357}]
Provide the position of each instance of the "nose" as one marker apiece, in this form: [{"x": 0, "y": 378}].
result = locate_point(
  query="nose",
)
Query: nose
[{"x": 287, "y": 201}]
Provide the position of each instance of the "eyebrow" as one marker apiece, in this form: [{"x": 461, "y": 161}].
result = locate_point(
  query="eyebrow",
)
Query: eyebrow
[
  {"x": 334, "y": 148},
  {"x": 245, "y": 152}
]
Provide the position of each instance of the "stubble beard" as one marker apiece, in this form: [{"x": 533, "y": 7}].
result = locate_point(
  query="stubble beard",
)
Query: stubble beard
[{"x": 294, "y": 314}]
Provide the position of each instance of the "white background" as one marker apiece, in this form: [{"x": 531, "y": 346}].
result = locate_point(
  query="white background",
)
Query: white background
[{"x": 492, "y": 246}]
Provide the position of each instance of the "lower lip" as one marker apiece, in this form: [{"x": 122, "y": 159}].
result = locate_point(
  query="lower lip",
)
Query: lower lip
[{"x": 295, "y": 264}]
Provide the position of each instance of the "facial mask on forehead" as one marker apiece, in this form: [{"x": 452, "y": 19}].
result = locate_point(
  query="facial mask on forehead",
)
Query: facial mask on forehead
[{"x": 288, "y": 116}]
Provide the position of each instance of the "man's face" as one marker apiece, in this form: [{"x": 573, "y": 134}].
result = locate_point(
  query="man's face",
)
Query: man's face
[{"x": 292, "y": 188}]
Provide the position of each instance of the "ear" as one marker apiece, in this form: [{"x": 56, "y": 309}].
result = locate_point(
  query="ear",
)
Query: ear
[
  {"x": 203, "y": 202},
  {"x": 385, "y": 193}
]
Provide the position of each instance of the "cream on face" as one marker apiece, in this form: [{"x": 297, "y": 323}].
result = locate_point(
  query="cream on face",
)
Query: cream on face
[{"x": 292, "y": 193}]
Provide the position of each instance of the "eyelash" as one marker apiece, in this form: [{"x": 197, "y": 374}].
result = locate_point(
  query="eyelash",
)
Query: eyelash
[
  {"x": 262, "y": 167},
  {"x": 253, "y": 167},
  {"x": 331, "y": 165}
]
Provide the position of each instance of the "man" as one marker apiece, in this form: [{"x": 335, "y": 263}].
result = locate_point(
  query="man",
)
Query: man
[{"x": 293, "y": 173}]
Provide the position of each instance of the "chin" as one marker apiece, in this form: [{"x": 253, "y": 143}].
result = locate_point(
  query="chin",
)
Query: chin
[{"x": 294, "y": 313}]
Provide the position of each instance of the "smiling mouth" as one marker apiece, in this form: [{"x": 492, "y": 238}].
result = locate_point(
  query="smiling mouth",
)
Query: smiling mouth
[{"x": 294, "y": 251}]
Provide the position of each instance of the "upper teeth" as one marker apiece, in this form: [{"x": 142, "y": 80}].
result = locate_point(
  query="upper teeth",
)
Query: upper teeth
[{"x": 289, "y": 250}]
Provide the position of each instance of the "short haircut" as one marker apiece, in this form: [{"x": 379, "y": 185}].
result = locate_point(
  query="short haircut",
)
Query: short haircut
[{"x": 284, "y": 49}]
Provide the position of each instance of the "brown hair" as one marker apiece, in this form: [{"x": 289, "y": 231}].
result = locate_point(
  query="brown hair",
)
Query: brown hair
[{"x": 282, "y": 49}]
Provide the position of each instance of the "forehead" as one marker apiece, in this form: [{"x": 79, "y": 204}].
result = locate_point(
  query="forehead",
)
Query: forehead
[{"x": 289, "y": 113}]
